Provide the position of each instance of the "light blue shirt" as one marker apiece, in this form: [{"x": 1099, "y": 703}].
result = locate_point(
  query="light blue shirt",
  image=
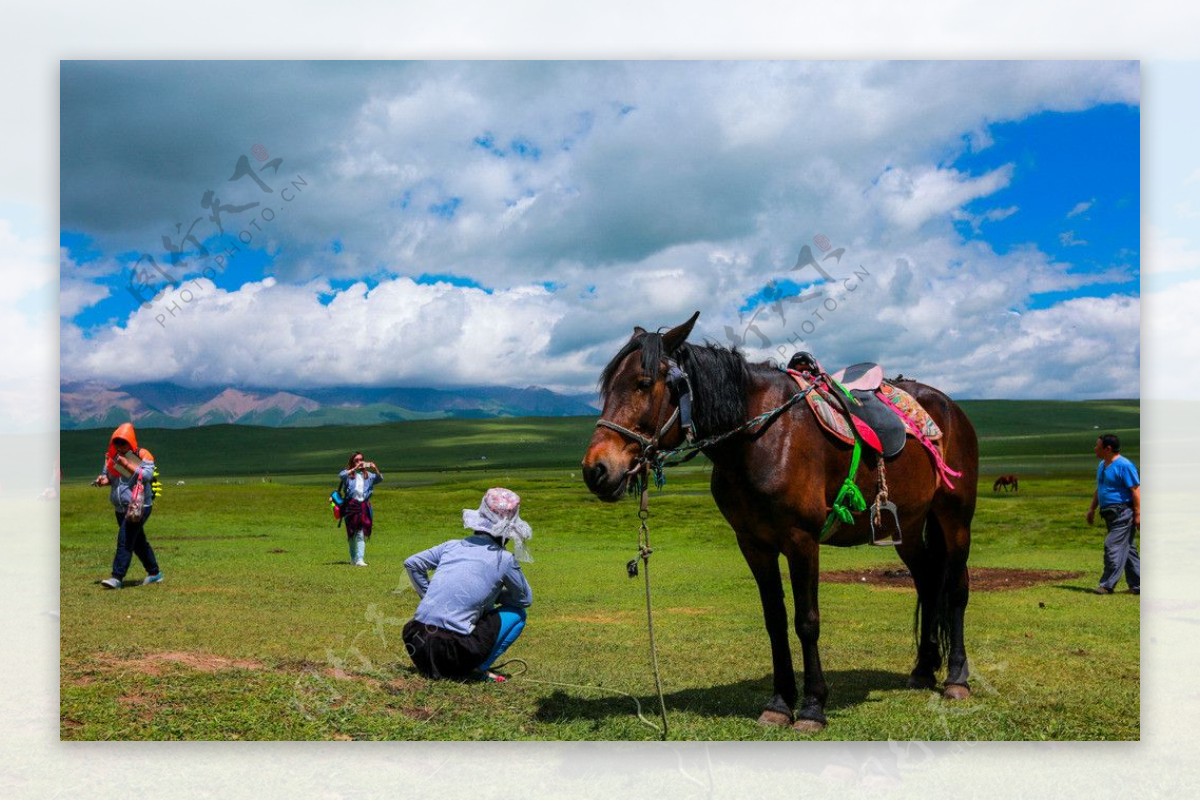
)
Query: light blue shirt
[
  {"x": 471, "y": 576},
  {"x": 360, "y": 485},
  {"x": 1115, "y": 481}
]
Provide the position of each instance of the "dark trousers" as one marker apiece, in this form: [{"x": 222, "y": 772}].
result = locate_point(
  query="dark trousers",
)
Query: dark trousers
[
  {"x": 131, "y": 541},
  {"x": 441, "y": 654},
  {"x": 1120, "y": 554}
]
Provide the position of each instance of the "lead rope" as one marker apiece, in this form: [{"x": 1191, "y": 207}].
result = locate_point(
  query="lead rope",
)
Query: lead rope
[{"x": 644, "y": 551}]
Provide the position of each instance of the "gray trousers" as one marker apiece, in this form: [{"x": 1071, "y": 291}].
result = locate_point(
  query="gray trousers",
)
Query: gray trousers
[{"x": 1119, "y": 550}]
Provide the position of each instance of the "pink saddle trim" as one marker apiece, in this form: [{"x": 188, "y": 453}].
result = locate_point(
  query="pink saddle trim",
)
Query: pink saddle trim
[
  {"x": 868, "y": 381},
  {"x": 944, "y": 470}
]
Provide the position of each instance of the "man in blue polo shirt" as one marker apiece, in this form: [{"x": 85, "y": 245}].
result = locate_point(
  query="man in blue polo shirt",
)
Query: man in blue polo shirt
[{"x": 1119, "y": 499}]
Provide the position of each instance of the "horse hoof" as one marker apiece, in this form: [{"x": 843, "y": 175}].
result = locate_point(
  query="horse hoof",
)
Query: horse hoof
[
  {"x": 956, "y": 692},
  {"x": 807, "y": 726},
  {"x": 770, "y": 717},
  {"x": 921, "y": 683}
]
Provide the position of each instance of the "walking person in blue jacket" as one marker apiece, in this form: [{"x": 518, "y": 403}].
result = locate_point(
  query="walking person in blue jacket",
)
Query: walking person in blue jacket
[
  {"x": 473, "y": 607},
  {"x": 1119, "y": 498}
]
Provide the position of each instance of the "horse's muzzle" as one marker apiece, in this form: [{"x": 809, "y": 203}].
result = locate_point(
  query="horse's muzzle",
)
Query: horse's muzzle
[{"x": 605, "y": 483}]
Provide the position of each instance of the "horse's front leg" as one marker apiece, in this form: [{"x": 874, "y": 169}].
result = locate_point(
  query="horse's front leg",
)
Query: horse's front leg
[
  {"x": 804, "y": 565},
  {"x": 764, "y": 565}
]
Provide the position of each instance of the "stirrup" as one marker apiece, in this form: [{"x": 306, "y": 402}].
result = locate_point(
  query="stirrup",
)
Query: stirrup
[{"x": 894, "y": 534}]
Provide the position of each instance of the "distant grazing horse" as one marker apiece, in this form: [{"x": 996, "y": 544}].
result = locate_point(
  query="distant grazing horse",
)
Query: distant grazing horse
[
  {"x": 1005, "y": 482},
  {"x": 775, "y": 485}
]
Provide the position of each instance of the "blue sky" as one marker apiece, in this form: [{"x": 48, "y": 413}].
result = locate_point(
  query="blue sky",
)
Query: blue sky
[
  {"x": 529, "y": 214},
  {"x": 1075, "y": 188}
]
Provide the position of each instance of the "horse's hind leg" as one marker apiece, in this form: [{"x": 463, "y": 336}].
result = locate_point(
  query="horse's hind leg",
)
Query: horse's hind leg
[
  {"x": 926, "y": 564},
  {"x": 956, "y": 591}
]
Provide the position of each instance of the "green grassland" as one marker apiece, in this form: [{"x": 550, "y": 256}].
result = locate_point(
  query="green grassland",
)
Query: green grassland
[{"x": 263, "y": 631}]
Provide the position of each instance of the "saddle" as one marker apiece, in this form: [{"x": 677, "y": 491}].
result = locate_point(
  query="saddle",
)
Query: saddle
[
  {"x": 878, "y": 413},
  {"x": 857, "y": 405},
  {"x": 863, "y": 382}
]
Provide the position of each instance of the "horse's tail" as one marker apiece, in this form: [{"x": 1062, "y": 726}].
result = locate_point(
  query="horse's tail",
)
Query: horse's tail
[{"x": 936, "y": 559}]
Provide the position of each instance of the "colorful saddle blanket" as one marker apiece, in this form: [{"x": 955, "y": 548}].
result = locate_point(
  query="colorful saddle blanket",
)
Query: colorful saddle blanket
[{"x": 890, "y": 412}]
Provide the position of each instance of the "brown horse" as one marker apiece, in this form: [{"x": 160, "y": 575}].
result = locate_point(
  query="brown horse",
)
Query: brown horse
[
  {"x": 775, "y": 484},
  {"x": 1005, "y": 482}
]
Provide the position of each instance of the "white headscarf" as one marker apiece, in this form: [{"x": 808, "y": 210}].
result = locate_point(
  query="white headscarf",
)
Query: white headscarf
[{"x": 499, "y": 514}]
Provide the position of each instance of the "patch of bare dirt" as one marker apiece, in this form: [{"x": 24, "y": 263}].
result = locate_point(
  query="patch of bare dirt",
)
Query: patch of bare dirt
[
  {"x": 348, "y": 675},
  {"x": 418, "y": 712},
  {"x": 984, "y": 579},
  {"x": 145, "y": 706},
  {"x": 399, "y": 685},
  {"x": 153, "y": 664}
]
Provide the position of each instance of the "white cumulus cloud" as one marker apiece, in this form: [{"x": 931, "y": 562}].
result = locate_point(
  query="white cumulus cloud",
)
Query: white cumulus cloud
[
  {"x": 909, "y": 199},
  {"x": 587, "y": 196}
]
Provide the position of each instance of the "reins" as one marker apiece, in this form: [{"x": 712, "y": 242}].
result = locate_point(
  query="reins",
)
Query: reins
[{"x": 653, "y": 461}]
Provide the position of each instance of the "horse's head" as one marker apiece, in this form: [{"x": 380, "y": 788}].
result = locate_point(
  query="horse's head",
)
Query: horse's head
[{"x": 640, "y": 414}]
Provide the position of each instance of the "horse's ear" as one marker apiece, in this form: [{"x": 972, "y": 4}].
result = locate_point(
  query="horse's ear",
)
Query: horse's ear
[
  {"x": 638, "y": 330},
  {"x": 679, "y": 334}
]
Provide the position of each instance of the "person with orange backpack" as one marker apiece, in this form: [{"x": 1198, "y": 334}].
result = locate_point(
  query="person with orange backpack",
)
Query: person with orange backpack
[{"x": 129, "y": 470}]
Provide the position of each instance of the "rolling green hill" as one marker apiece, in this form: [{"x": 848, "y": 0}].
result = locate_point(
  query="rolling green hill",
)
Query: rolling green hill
[
  {"x": 1050, "y": 437},
  {"x": 252, "y": 451},
  {"x": 1025, "y": 437}
]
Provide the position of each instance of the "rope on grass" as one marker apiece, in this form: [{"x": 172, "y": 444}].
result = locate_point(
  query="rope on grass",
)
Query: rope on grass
[{"x": 631, "y": 696}]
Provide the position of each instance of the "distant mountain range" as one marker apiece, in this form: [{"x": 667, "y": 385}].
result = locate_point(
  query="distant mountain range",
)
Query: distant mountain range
[{"x": 167, "y": 405}]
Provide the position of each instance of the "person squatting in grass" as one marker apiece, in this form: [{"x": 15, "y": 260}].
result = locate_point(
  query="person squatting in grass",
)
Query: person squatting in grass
[
  {"x": 1119, "y": 498},
  {"x": 473, "y": 608},
  {"x": 359, "y": 479},
  {"x": 122, "y": 473}
]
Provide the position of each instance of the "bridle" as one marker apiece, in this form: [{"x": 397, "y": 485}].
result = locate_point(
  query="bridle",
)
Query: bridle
[
  {"x": 649, "y": 445},
  {"x": 651, "y": 460}
]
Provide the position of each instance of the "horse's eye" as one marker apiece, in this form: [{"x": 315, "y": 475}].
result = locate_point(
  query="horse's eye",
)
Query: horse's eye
[{"x": 645, "y": 382}]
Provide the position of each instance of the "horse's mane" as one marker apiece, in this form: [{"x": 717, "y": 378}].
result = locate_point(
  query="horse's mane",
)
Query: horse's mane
[
  {"x": 651, "y": 346},
  {"x": 719, "y": 376},
  {"x": 720, "y": 379}
]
